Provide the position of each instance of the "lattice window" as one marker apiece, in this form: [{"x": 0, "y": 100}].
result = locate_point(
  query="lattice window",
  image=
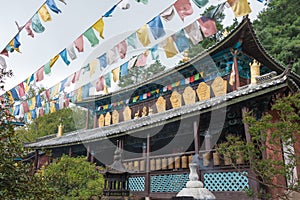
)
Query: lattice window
[
  {"x": 226, "y": 181},
  {"x": 168, "y": 182},
  {"x": 137, "y": 183}
]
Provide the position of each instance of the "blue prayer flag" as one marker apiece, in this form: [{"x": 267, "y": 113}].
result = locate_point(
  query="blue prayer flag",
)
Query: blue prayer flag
[
  {"x": 16, "y": 41},
  {"x": 156, "y": 27},
  {"x": 36, "y": 24},
  {"x": 14, "y": 94},
  {"x": 38, "y": 101},
  {"x": 124, "y": 69},
  {"x": 103, "y": 60},
  {"x": 51, "y": 4},
  {"x": 63, "y": 55},
  {"x": 17, "y": 110},
  {"x": 108, "y": 13},
  {"x": 181, "y": 41}
]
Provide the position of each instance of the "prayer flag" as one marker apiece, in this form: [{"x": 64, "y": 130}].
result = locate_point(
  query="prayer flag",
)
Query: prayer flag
[
  {"x": 39, "y": 74},
  {"x": 54, "y": 90},
  {"x": 32, "y": 103},
  {"x": 143, "y": 36},
  {"x": 51, "y": 4},
  {"x": 154, "y": 52},
  {"x": 25, "y": 107},
  {"x": 28, "y": 28},
  {"x": 103, "y": 60},
  {"x": 33, "y": 114},
  {"x": 131, "y": 40},
  {"x": 17, "y": 110},
  {"x": 142, "y": 59},
  {"x": 168, "y": 14},
  {"x": 92, "y": 38},
  {"x": 100, "y": 84},
  {"x": 122, "y": 49},
  {"x": 107, "y": 79},
  {"x": 79, "y": 44},
  {"x": 63, "y": 55},
  {"x": 21, "y": 90},
  {"x": 156, "y": 27},
  {"x": 200, "y": 3},
  {"x": 194, "y": 33},
  {"x": 108, "y": 13},
  {"x": 124, "y": 69},
  {"x": 86, "y": 90},
  {"x": 38, "y": 101},
  {"x": 36, "y": 24},
  {"x": 169, "y": 47},
  {"x": 76, "y": 76},
  {"x": 240, "y": 8},
  {"x": 14, "y": 94},
  {"x": 116, "y": 74},
  {"x": 52, "y": 107},
  {"x": 197, "y": 77},
  {"x": 181, "y": 41},
  {"x": 44, "y": 14},
  {"x": 53, "y": 60},
  {"x": 71, "y": 52},
  {"x": 62, "y": 84},
  {"x": 47, "y": 68},
  {"x": 208, "y": 26},
  {"x": 3, "y": 62},
  {"x": 183, "y": 8},
  {"x": 112, "y": 55},
  {"x": 99, "y": 26},
  {"x": 131, "y": 62}
]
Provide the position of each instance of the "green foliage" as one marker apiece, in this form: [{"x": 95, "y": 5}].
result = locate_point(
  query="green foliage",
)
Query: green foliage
[
  {"x": 16, "y": 181},
  {"x": 276, "y": 136},
  {"x": 73, "y": 178},
  {"x": 138, "y": 74},
  {"x": 278, "y": 28},
  {"x": 72, "y": 119}
]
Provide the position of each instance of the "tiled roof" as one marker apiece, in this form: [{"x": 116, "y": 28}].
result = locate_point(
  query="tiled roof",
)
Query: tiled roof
[{"x": 89, "y": 135}]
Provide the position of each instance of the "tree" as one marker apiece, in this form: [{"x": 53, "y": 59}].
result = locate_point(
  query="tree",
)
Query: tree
[
  {"x": 138, "y": 74},
  {"x": 16, "y": 179},
  {"x": 277, "y": 137},
  {"x": 73, "y": 178},
  {"x": 72, "y": 119},
  {"x": 277, "y": 27}
]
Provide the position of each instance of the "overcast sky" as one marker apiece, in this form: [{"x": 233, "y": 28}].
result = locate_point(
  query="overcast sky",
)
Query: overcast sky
[{"x": 76, "y": 17}]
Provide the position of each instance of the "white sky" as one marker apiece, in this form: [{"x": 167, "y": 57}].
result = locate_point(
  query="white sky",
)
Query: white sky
[{"x": 76, "y": 17}]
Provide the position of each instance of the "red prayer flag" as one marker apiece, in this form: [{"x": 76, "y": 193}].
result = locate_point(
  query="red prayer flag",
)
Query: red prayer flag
[
  {"x": 40, "y": 74},
  {"x": 208, "y": 26},
  {"x": 21, "y": 90},
  {"x": 100, "y": 84},
  {"x": 25, "y": 107},
  {"x": 122, "y": 49},
  {"x": 79, "y": 44},
  {"x": 183, "y": 8}
]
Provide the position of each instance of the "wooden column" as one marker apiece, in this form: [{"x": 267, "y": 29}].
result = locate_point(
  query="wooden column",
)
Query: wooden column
[
  {"x": 87, "y": 119},
  {"x": 36, "y": 160},
  {"x": 196, "y": 137},
  {"x": 246, "y": 127},
  {"x": 95, "y": 121},
  {"x": 147, "y": 181},
  {"x": 236, "y": 69}
]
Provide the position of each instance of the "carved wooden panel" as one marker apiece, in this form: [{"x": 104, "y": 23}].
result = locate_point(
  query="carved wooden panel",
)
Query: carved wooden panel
[
  {"x": 127, "y": 113},
  {"x": 176, "y": 99},
  {"x": 101, "y": 120},
  {"x": 161, "y": 104},
  {"x": 107, "y": 119},
  {"x": 218, "y": 87},
  {"x": 189, "y": 96},
  {"x": 115, "y": 117},
  {"x": 203, "y": 91}
]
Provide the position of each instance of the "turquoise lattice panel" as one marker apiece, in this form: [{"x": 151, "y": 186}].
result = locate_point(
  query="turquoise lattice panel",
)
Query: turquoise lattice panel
[
  {"x": 137, "y": 183},
  {"x": 168, "y": 182},
  {"x": 226, "y": 181}
]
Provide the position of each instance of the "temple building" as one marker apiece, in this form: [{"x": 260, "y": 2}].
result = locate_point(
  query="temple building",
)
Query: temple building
[{"x": 182, "y": 112}]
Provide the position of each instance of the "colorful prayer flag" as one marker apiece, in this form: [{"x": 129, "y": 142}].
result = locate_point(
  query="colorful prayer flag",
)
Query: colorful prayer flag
[
  {"x": 124, "y": 69},
  {"x": 44, "y": 14},
  {"x": 103, "y": 60},
  {"x": 131, "y": 40},
  {"x": 156, "y": 27},
  {"x": 28, "y": 28},
  {"x": 169, "y": 47},
  {"x": 100, "y": 84},
  {"x": 63, "y": 55},
  {"x": 168, "y": 14},
  {"x": 116, "y": 74},
  {"x": 183, "y": 8},
  {"x": 154, "y": 52},
  {"x": 99, "y": 26},
  {"x": 200, "y": 3},
  {"x": 194, "y": 33},
  {"x": 208, "y": 26},
  {"x": 181, "y": 41},
  {"x": 79, "y": 44},
  {"x": 112, "y": 55},
  {"x": 143, "y": 36},
  {"x": 71, "y": 52},
  {"x": 122, "y": 49},
  {"x": 36, "y": 24},
  {"x": 142, "y": 59},
  {"x": 39, "y": 74},
  {"x": 90, "y": 35},
  {"x": 51, "y": 4},
  {"x": 240, "y": 8},
  {"x": 108, "y": 13},
  {"x": 3, "y": 62}
]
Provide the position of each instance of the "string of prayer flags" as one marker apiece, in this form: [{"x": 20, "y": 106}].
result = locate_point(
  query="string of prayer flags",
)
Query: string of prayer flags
[
  {"x": 143, "y": 36},
  {"x": 103, "y": 60},
  {"x": 44, "y": 14},
  {"x": 208, "y": 26},
  {"x": 200, "y": 3},
  {"x": 28, "y": 29},
  {"x": 36, "y": 24},
  {"x": 40, "y": 75},
  {"x": 79, "y": 44},
  {"x": 156, "y": 27},
  {"x": 183, "y": 8},
  {"x": 112, "y": 55},
  {"x": 90, "y": 35},
  {"x": 194, "y": 33},
  {"x": 51, "y": 4},
  {"x": 122, "y": 49},
  {"x": 63, "y": 55},
  {"x": 240, "y": 8},
  {"x": 169, "y": 47},
  {"x": 181, "y": 41},
  {"x": 99, "y": 26},
  {"x": 131, "y": 40},
  {"x": 116, "y": 74},
  {"x": 71, "y": 52},
  {"x": 168, "y": 14}
]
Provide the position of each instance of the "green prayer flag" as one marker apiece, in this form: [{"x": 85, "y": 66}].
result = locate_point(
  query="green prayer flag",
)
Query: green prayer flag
[
  {"x": 200, "y": 3},
  {"x": 47, "y": 68},
  {"x": 90, "y": 35},
  {"x": 197, "y": 77},
  {"x": 107, "y": 79}
]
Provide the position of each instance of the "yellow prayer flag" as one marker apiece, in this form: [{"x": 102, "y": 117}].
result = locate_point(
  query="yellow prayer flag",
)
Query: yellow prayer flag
[
  {"x": 105, "y": 89},
  {"x": 54, "y": 91},
  {"x": 79, "y": 95},
  {"x": 93, "y": 66},
  {"x": 240, "y": 8},
  {"x": 33, "y": 102},
  {"x": 29, "y": 117},
  {"x": 116, "y": 74},
  {"x": 169, "y": 47},
  {"x": 10, "y": 97},
  {"x": 44, "y": 14},
  {"x": 52, "y": 107},
  {"x": 99, "y": 26},
  {"x": 143, "y": 36},
  {"x": 53, "y": 60}
]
